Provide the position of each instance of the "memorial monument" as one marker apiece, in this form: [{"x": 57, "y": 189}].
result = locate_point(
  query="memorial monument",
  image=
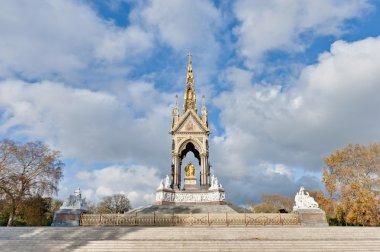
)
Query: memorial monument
[
  {"x": 190, "y": 133},
  {"x": 70, "y": 211},
  {"x": 308, "y": 210}
]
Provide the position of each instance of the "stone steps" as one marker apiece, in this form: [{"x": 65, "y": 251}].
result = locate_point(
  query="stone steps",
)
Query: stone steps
[{"x": 190, "y": 238}]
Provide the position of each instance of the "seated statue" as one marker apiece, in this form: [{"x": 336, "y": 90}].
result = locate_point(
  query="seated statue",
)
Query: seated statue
[
  {"x": 304, "y": 201},
  {"x": 75, "y": 201},
  {"x": 165, "y": 183},
  {"x": 190, "y": 170},
  {"x": 214, "y": 183}
]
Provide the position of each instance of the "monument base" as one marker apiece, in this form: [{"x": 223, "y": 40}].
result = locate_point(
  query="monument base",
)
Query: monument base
[
  {"x": 312, "y": 217},
  {"x": 67, "y": 218},
  {"x": 190, "y": 183},
  {"x": 172, "y": 197}
]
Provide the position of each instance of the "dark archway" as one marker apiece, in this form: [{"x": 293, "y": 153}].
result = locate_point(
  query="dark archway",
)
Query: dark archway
[{"x": 191, "y": 147}]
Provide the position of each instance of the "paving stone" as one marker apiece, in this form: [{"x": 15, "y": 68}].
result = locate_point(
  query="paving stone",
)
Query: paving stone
[{"x": 190, "y": 239}]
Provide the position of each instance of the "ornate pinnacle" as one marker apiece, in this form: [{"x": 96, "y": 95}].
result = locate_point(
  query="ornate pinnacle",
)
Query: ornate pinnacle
[
  {"x": 189, "y": 76},
  {"x": 190, "y": 99}
]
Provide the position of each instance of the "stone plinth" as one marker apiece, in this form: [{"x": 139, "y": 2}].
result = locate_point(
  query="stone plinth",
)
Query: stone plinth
[
  {"x": 312, "y": 217},
  {"x": 172, "y": 197},
  {"x": 190, "y": 183},
  {"x": 67, "y": 218}
]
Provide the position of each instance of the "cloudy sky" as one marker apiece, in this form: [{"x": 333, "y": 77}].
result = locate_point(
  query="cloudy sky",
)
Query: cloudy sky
[{"x": 286, "y": 83}]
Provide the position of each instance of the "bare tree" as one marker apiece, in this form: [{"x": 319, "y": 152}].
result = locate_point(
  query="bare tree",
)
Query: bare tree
[
  {"x": 27, "y": 170},
  {"x": 117, "y": 203}
]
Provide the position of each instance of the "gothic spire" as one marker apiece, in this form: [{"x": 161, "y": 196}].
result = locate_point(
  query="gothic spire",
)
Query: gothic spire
[
  {"x": 189, "y": 76},
  {"x": 190, "y": 99}
]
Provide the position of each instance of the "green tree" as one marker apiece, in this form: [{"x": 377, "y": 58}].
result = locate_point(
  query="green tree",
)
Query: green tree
[
  {"x": 352, "y": 177},
  {"x": 27, "y": 170},
  {"x": 117, "y": 203}
]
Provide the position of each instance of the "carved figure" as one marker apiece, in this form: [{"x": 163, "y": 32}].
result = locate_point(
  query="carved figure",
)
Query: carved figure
[
  {"x": 75, "y": 201},
  {"x": 71, "y": 201},
  {"x": 78, "y": 193},
  {"x": 304, "y": 201},
  {"x": 167, "y": 182},
  {"x": 190, "y": 197},
  {"x": 161, "y": 186},
  {"x": 214, "y": 183},
  {"x": 190, "y": 170}
]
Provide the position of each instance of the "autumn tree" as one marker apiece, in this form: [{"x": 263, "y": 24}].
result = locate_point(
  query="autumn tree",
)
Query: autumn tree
[
  {"x": 352, "y": 177},
  {"x": 327, "y": 204},
  {"x": 273, "y": 203},
  {"x": 27, "y": 170},
  {"x": 117, "y": 203}
]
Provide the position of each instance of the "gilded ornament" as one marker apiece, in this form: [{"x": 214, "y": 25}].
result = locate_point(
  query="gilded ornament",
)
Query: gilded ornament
[{"x": 190, "y": 170}]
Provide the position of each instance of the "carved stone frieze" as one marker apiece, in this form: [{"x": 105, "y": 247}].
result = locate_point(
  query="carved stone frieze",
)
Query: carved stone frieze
[{"x": 186, "y": 197}]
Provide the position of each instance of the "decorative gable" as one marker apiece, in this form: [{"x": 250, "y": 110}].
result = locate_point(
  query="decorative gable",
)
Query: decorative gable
[{"x": 190, "y": 123}]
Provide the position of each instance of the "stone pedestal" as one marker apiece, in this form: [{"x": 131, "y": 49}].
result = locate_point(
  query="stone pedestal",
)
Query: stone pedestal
[
  {"x": 173, "y": 197},
  {"x": 312, "y": 217},
  {"x": 67, "y": 218},
  {"x": 190, "y": 183}
]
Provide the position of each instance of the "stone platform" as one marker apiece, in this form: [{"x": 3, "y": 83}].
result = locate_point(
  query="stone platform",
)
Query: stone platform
[
  {"x": 189, "y": 239},
  {"x": 185, "y": 209},
  {"x": 167, "y": 196}
]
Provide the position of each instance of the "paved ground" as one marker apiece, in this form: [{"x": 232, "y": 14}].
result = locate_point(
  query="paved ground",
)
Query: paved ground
[{"x": 190, "y": 239}]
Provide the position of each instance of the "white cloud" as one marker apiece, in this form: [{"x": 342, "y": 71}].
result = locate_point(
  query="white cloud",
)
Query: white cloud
[
  {"x": 118, "y": 44},
  {"x": 334, "y": 102},
  {"x": 138, "y": 183},
  {"x": 281, "y": 169},
  {"x": 43, "y": 39},
  {"x": 279, "y": 25},
  {"x": 90, "y": 126},
  {"x": 185, "y": 26}
]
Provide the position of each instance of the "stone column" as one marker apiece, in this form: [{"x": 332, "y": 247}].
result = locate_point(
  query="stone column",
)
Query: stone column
[
  {"x": 207, "y": 172},
  {"x": 203, "y": 175},
  {"x": 177, "y": 172}
]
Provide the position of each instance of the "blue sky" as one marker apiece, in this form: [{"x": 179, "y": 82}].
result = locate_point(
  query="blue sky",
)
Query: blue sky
[{"x": 286, "y": 83}]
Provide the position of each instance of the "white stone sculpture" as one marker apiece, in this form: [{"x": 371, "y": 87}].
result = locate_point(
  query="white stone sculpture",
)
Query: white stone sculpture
[
  {"x": 304, "y": 201},
  {"x": 167, "y": 182},
  {"x": 75, "y": 201},
  {"x": 215, "y": 183},
  {"x": 161, "y": 185},
  {"x": 164, "y": 183}
]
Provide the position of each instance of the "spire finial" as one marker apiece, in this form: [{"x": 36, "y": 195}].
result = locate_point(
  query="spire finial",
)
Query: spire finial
[
  {"x": 189, "y": 76},
  {"x": 190, "y": 99},
  {"x": 176, "y": 100}
]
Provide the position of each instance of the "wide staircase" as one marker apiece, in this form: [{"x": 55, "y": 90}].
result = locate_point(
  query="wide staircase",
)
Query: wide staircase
[{"x": 167, "y": 239}]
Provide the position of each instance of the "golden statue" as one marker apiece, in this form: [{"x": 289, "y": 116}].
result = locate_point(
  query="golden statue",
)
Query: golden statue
[{"x": 190, "y": 170}]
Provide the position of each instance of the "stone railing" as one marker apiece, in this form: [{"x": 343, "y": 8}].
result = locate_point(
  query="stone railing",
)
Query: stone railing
[{"x": 200, "y": 219}]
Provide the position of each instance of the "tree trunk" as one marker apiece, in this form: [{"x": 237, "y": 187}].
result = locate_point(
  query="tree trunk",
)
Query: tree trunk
[{"x": 12, "y": 214}]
